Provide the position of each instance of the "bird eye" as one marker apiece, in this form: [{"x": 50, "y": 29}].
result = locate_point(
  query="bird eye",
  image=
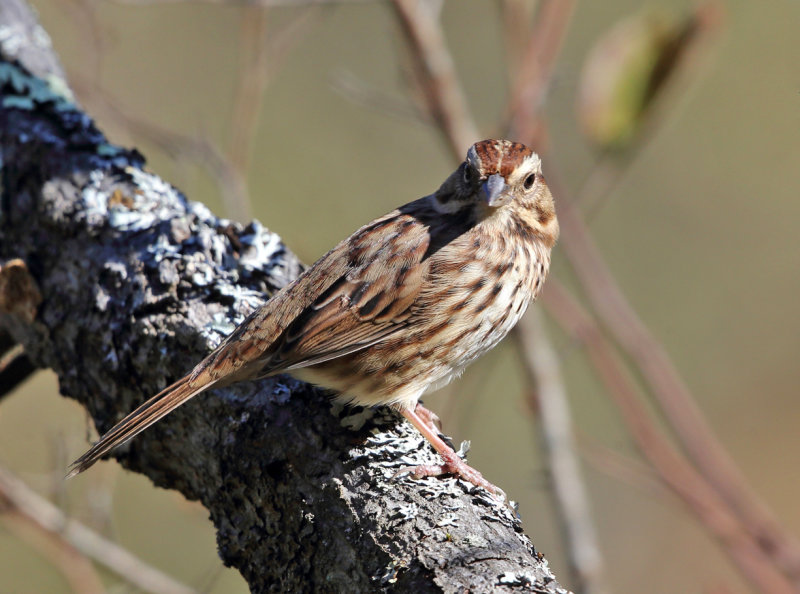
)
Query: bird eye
[{"x": 528, "y": 183}]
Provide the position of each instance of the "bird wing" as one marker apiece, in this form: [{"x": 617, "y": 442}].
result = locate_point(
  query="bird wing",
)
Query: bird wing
[
  {"x": 368, "y": 303},
  {"x": 358, "y": 294}
]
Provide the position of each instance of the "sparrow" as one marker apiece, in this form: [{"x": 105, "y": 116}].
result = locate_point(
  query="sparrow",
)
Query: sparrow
[{"x": 397, "y": 309}]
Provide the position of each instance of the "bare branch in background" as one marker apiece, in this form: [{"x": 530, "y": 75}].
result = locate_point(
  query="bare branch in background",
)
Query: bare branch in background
[
  {"x": 675, "y": 471},
  {"x": 261, "y": 57},
  {"x": 445, "y": 98},
  {"x": 555, "y": 429},
  {"x": 620, "y": 318},
  {"x": 529, "y": 89},
  {"x": 77, "y": 570},
  {"x": 70, "y": 536},
  {"x": 672, "y": 394}
]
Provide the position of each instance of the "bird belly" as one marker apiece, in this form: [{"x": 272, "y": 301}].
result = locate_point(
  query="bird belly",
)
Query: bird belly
[{"x": 398, "y": 370}]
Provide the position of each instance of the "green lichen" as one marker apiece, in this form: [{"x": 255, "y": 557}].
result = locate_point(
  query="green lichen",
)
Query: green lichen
[{"x": 24, "y": 91}]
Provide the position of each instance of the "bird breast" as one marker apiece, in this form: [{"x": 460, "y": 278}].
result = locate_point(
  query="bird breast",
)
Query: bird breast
[{"x": 494, "y": 291}]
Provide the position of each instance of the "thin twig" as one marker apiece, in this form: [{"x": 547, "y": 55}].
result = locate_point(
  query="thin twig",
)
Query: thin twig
[
  {"x": 536, "y": 69},
  {"x": 674, "y": 470},
  {"x": 386, "y": 103},
  {"x": 25, "y": 502},
  {"x": 443, "y": 92},
  {"x": 78, "y": 571},
  {"x": 558, "y": 443},
  {"x": 622, "y": 467},
  {"x": 247, "y": 102}
]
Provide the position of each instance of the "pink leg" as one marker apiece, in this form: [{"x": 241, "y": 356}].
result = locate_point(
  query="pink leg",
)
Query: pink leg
[
  {"x": 431, "y": 418},
  {"x": 452, "y": 463}
]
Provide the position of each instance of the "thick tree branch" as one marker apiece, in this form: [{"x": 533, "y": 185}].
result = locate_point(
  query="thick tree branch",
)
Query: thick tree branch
[{"x": 137, "y": 284}]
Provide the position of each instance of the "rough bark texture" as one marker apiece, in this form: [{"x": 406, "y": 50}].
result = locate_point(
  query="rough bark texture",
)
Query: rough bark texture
[{"x": 137, "y": 284}]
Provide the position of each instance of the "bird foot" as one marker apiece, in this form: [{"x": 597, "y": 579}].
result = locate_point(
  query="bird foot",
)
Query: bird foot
[
  {"x": 452, "y": 465},
  {"x": 426, "y": 423}
]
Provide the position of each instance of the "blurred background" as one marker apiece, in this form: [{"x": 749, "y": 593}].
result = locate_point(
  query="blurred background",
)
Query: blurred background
[{"x": 312, "y": 119}]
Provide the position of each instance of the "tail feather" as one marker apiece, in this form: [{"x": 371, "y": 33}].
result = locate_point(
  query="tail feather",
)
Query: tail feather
[{"x": 140, "y": 419}]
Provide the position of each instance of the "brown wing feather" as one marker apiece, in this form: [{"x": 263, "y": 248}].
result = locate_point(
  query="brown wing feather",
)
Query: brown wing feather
[{"x": 386, "y": 268}]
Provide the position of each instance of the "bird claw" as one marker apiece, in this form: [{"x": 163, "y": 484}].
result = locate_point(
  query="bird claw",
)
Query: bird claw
[{"x": 457, "y": 467}]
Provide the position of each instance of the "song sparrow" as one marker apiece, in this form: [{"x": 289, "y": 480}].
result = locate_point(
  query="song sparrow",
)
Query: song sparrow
[{"x": 400, "y": 307}]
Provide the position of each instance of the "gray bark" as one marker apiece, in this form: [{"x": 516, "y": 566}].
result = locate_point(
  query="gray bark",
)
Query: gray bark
[{"x": 138, "y": 283}]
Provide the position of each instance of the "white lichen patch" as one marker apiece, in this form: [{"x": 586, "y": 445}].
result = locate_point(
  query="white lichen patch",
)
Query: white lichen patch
[
  {"x": 513, "y": 578},
  {"x": 156, "y": 200},
  {"x": 395, "y": 457},
  {"x": 358, "y": 419},
  {"x": 95, "y": 198},
  {"x": 402, "y": 511}
]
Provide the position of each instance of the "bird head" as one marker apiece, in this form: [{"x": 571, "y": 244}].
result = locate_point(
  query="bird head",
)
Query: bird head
[{"x": 499, "y": 176}]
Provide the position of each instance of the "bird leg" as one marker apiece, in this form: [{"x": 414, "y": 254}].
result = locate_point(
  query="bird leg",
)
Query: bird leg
[
  {"x": 453, "y": 464},
  {"x": 431, "y": 418}
]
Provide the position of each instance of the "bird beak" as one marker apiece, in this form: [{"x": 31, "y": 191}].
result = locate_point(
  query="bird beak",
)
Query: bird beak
[{"x": 493, "y": 189}]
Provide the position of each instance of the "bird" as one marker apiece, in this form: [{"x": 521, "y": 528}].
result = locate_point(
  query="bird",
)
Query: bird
[{"x": 397, "y": 309}]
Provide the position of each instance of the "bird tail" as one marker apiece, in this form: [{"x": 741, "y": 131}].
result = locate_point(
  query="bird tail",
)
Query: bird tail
[{"x": 140, "y": 419}]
